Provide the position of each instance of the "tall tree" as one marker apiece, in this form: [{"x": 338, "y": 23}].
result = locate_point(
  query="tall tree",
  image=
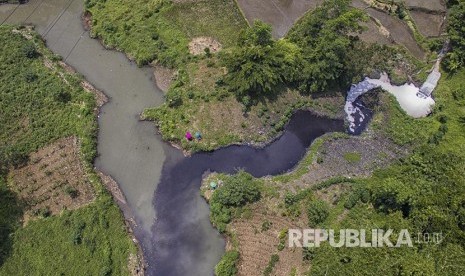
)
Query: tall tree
[
  {"x": 456, "y": 30},
  {"x": 259, "y": 63},
  {"x": 325, "y": 35}
]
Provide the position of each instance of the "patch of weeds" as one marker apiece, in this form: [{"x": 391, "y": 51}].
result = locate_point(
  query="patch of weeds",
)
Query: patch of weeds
[{"x": 352, "y": 157}]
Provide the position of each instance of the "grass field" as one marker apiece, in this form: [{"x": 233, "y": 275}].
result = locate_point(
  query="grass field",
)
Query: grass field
[
  {"x": 40, "y": 103},
  {"x": 160, "y": 31},
  {"x": 196, "y": 103}
]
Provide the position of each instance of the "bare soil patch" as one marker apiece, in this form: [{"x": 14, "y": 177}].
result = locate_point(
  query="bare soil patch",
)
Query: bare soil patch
[
  {"x": 376, "y": 34},
  {"x": 163, "y": 77},
  {"x": 198, "y": 45},
  {"x": 430, "y": 5},
  {"x": 256, "y": 244},
  {"x": 331, "y": 161},
  {"x": 399, "y": 31},
  {"x": 430, "y": 25},
  {"x": 280, "y": 14},
  {"x": 53, "y": 180}
]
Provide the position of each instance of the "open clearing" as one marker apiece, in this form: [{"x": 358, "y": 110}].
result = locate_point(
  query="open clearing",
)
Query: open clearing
[
  {"x": 399, "y": 31},
  {"x": 53, "y": 180},
  {"x": 429, "y": 5},
  {"x": 281, "y": 14},
  {"x": 257, "y": 243},
  {"x": 430, "y": 25}
]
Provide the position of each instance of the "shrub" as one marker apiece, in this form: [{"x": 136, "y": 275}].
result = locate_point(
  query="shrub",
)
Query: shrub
[
  {"x": 71, "y": 191},
  {"x": 43, "y": 212},
  {"x": 207, "y": 52},
  {"x": 260, "y": 63},
  {"x": 30, "y": 76},
  {"x": 236, "y": 191},
  {"x": 317, "y": 212},
  {"x": 29, "y": 50},
  {"x": 266, "y": 225},
  {"x": 174, "y": 99},
  {"x": 351, "y": 201},
  {"x": 227, "y": 264},
  {"x": 271, "y": 264},
  {"x": 308, "y": 253},
  {"x": 62, "y": 96},
  {"x": 290, "y": 199}
]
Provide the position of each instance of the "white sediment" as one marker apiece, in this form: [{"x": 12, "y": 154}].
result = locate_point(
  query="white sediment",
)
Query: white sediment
[{"x": 409, "y": 97}]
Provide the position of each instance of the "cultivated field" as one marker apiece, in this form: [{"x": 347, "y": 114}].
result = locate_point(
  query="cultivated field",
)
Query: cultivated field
[
  {"x": 258, "y": 243},
  {"x": 53, "y": 180}
]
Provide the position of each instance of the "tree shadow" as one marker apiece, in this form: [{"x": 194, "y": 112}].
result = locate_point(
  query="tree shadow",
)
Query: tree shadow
[
  {"x": 11, "y": 212},
  {"x": 264, "y": 98}
]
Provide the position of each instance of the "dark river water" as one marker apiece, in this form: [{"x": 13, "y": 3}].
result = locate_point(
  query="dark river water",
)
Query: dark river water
[
  {"x": 172, "y": 219},
  {"x": 181, "y": 242}
]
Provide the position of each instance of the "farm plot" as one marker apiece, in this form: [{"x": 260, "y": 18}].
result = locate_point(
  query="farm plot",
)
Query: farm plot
[
  {"x": 53, "y": 180},
  {"x": 258, "y": 239}
]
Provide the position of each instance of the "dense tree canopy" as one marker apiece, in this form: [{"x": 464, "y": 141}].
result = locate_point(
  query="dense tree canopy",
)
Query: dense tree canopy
[
  {"x": 313, "y": 56},
  {"x": 237, "y": 191},
  {"x": 259, "y": 63},
  {"x": 325, "y": 35},
  {"x": 456, "y": 30}
]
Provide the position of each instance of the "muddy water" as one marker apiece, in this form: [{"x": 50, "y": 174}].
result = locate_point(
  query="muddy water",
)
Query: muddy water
[
  {"x": 182, "y": 241},
  {"x": 130, "y": 151}
]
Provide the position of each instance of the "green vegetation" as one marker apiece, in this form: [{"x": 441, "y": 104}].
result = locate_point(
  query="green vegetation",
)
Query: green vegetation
[
  {"x": 317, "y": 212},
  {"x": 159, "y": 30},
  {"x": 456, "y": 31},
  {"x": 423, "y": 192},
  {"x": 88, "y": 241},
  {"x": 325, "y": 37},
  {"x": 39, "y": 105},
  {"x": 236, "y": 191},
  {"x": 36, "y": 107},
  {"x": 254, "y": 98},
  {"x": 352, "y": 157},
  {"x": 259, "y": 63},
  {"x": 271, "y": 264},
  {"x": 10, "y": 213},
  {"x": 227, "y": 264}
]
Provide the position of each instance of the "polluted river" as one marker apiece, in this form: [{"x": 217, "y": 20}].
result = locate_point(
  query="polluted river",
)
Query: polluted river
[{"x": 160, "y": 185}]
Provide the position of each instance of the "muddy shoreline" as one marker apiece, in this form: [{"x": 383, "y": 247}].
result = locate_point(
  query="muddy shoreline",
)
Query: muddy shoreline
[
  {"x": 111, "y": 185},
  {"x": 257, "y": 145}
]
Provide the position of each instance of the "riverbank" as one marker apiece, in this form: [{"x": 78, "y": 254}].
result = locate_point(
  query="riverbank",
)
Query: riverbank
[
  {"x": 136, "y": 263},
  {"x": 192, "y": 99},
  {"x": 195, "y": 99},
  {"x": 71, "y": 219},
  {"x": 323, "y": 192}
]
